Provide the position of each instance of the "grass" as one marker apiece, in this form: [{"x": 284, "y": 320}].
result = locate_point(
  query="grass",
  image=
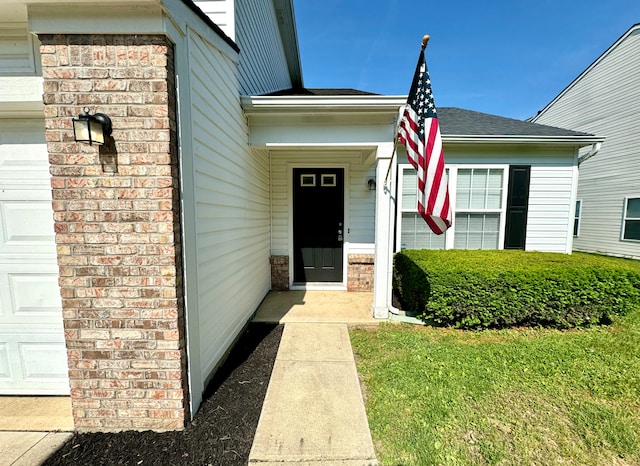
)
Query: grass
[{"x": 438, "y": 396}]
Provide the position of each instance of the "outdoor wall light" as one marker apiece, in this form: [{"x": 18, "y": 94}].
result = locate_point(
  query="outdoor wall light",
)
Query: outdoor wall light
[
  {"x": 91, "y": 128},
  {"x": 371, "y": 184}
]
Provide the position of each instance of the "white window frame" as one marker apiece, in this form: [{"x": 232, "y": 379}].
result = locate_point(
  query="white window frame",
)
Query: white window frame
[
  {"x": 577, "y": 217},
  {"x": 453, "y": 184},
  {"x": 624, "y": 218}
]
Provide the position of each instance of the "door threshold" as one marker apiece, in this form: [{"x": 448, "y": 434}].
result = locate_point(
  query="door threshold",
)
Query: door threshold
[{"x": 324, "y": 286}]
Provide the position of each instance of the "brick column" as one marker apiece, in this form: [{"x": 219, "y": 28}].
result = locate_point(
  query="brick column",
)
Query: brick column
[
  {"x": 360, "y": 272},
  {"x": 116, "y": 212},
  {"x": 279, "y": 273}
]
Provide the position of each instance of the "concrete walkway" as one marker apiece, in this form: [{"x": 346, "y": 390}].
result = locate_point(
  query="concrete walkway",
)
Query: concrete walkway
[
  {"x": 313, "y": 412},
  {"x": 30, "y": 428}
]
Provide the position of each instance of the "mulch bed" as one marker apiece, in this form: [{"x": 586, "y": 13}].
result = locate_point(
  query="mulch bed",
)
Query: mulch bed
[{"x": 222, "y": 431}]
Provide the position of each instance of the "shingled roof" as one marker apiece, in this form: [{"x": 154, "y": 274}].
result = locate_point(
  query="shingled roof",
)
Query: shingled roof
[
  {"x": 454, "y": 122},
  {"x": 458, "y": 122},
  {"x": 319, "y": 91}
]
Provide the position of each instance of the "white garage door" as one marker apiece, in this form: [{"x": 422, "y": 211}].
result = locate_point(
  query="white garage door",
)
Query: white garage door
[{"x": 32, "y": 350}]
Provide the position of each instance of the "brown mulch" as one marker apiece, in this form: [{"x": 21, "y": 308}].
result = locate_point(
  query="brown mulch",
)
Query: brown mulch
[{"x": 222, "y": 431}]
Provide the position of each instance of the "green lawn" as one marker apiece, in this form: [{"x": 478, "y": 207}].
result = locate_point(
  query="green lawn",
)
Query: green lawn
[{"x": 510, "y": 397}]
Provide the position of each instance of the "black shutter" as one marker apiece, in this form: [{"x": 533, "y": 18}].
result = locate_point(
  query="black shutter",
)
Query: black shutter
[{"x": 517, "y": 206}]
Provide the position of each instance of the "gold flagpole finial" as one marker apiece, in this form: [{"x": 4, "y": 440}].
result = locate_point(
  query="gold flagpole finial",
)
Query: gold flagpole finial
[{"x": 425, "y": 39}]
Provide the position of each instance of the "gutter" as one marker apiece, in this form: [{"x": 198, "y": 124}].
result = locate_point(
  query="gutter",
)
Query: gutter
[
  {"x": 258, "y": 104},
  {"x": 523, "y": 139}
]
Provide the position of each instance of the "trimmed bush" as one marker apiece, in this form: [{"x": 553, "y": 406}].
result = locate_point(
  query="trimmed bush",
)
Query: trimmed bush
[{"x": 496, "y": 289}]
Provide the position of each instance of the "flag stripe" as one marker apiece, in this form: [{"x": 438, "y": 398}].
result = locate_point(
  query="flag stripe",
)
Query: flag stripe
[{"x": 419, "y": 132}]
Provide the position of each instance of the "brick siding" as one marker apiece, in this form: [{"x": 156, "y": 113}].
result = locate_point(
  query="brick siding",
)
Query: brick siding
[
  {"x": 360, "y": 272},
  {"x": 116, "y": 212}
]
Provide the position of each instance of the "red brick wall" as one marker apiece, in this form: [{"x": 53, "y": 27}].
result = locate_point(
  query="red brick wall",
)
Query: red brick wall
[
  {"x": 360, "y": 272},
  {"x": 116, "y": 214}
]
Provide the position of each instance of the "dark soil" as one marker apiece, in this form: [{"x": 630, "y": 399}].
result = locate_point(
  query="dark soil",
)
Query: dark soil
[{"x": 222, "y": 431}]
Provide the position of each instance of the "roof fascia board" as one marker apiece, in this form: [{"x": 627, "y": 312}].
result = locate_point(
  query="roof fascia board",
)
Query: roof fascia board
[
  {"x": 306, "y": 104},
  {"x": 286, "y": 20},
  {"x": 580, "y": 141},
  {"x": 633, "y": 29}
]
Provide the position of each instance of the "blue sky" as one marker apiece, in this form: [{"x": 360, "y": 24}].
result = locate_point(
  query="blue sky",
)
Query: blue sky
[{"x": 508, "y": 57}]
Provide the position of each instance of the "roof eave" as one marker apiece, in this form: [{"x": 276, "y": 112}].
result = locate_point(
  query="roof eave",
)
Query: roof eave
[
  {"x": 523, "y": 139},
  {"x": 306, "y": 104},
  {"x": 288, "y": 32}
]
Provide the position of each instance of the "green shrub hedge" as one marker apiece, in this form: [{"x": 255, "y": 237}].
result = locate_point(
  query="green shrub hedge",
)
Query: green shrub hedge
[{"x": 495, "y": 289}]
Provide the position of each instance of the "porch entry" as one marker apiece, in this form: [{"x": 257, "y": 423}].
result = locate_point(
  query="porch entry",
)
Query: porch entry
[{"x": 318, "y": 224}]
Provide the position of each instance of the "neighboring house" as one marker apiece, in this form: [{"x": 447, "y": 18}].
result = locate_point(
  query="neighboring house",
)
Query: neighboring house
[
  {"x": 128, "y": 270},
  {"x": 605, "y": 99}
]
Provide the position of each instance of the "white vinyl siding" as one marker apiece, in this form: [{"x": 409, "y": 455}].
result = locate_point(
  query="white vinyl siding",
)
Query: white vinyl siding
[
  {"x": 604, "y": 101},
  {"x": 631, "y": 220},
  {"x": 359, "y": 201},
  {"x": 263, "y": 65},
  {"x": 231, "y": 212},
  {"x": 551, "y": 208}
]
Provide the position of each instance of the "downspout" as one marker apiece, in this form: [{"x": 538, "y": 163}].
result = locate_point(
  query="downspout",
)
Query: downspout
[{"x": 595, "y": 148}]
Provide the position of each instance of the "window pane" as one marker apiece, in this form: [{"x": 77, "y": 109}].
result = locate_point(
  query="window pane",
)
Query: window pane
[
  {"x": 495, "y": 178},
  {"x": 492, "y": 222},
  {"x": 578, "y": 205},
  {"x": 633, "y": 208},
  {"x": 415, "y": 234},
  {"x": 477, "y": 199},
  {"x": 476, "y": 222},
  {"x": 494, "y": 199},
  {"x": 478, "y": 188},
  {"x": 409, "y": 189},
  {"x": 479, "y": 179},
  {"x": 463, "y": 192},
  {"x": 632, "y": 229},
  {"x": 460, "y": 240},
  {"x": 477, "y": 231},
  {"x": 464, "y": 178},
  {"x": 575, "y": 227}
]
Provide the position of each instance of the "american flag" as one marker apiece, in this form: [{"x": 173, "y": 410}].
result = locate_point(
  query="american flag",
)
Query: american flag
[{"x": 419, "y": 132}]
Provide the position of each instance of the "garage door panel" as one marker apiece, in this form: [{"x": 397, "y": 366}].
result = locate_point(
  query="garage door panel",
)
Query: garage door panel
[
  {"x": 30, "y": 293},
  {"x": 5, "y": 367},
  {"x": 33, "y": 363},
  {"x": 33, "y": 357},
  {"x": 26, "y": 227},
  {"x": 35, "y": 295}
]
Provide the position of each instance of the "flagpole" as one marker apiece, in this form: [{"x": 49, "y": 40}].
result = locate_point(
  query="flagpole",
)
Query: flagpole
[{"x": 425, "y": 40}]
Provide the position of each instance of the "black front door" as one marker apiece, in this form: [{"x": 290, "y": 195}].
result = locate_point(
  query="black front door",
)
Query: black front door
[{"x": 318, "y": 224}]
